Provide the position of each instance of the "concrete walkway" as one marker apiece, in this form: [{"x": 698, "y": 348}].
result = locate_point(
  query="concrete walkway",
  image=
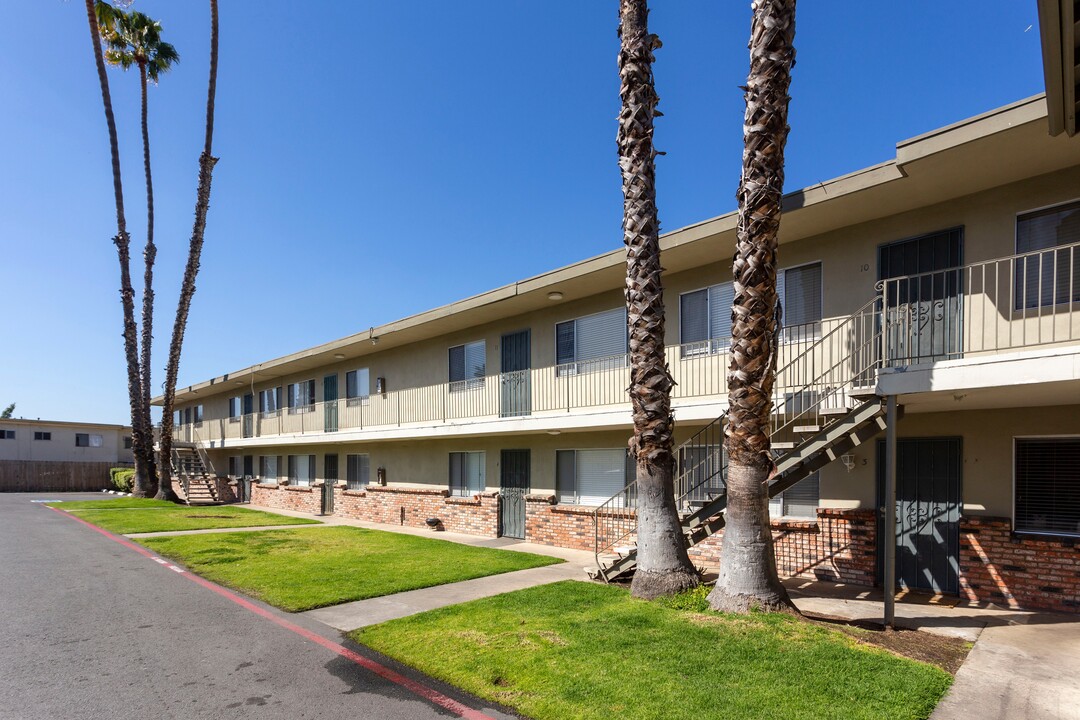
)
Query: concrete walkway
[{"x": 1024, "y": 664}]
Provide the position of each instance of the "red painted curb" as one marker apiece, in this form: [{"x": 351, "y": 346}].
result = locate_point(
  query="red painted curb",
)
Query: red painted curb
[{"x": 379, "y": 669}]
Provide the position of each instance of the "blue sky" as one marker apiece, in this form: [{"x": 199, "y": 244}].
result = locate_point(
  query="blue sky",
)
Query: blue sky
[{"x": 379, "y": 159}]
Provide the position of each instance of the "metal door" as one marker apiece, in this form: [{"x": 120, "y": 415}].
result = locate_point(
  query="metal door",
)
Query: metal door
[
  {"x": 330, "y": 478},
  {"x": 923, "y": 287},
  {"x": 928, "y": 496},
  {"x": 513, "y": 486},
  {"x": 515, "y": 385},
  {"x": 248, "y": 412},
  {"x": 330, "y": 419}
]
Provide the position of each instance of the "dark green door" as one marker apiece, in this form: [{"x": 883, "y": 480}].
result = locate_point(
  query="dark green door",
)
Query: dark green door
[
  {"x": 515, "y": 381},
  {"x": 248, "y": 415},
  {"x": 513, "y": 486},
  {"x": 329, "y": 385},
  {"x": 330, "y": 478},
  {"x": 928, "y": 496}
]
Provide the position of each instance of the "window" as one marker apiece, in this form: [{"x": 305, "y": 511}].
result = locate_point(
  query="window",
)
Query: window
[
  {"x": 704, "y": 464},
  {"x": 236, "y": 409},
  {"x": 357, "y": 471},
  {"x": 39, "y": 435},
  {"x": 270, "y": 401},
  {"x": 705, "y": 319},
  {"x": 7, "y": 434},
  {"x": 301, "y": 397},
  {"x": 1051, "y": 277},
  {"x": 799, "y": 290},
  {"x": 268, "y": 467},
  {"x": 799, "y": 501},
  {"x": 301, "y": 469},
  {"x": 1048, "y": 486},
  {"x": 127, "y": 442},
  {"x": 591, "y": 477},
  {"x": 468, "y": 366},
  {"x": 198, "y": 413},
  {"x": 466, "y": 473},
  {"x": 591, "y": 343},
  {"x": 236, "y": 466},
  {"x": 87, "y": 440},
  {"x": 357, "y": 387}
]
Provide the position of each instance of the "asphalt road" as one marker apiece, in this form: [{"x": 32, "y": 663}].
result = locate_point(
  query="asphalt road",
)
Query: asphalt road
[{"x": 90, "y": 628}]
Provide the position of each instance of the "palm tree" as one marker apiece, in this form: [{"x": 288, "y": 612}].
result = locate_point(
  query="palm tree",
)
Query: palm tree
[
  {"x": 140, "y": 441},
  {"x": 748, "y": 577},
  {"x": 134, "y": 40},
  {"x": 663, "y": 566},
  {"x": 191, "y": 269}
]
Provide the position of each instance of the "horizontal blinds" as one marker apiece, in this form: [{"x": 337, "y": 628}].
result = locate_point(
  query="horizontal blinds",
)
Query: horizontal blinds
[
  {"x": 600, "y": 475},
  {"x": 694, "y": 317},
  {"x": 721, "y": 298},
  {"x": 475, "y": 360},
  {"x": 1048, "y": 277},
  {"x": 800, "y": 501},
  {"x": 1048, "y": 485},
  {"x": 566, "y": 476},
  {"x": 601, "y": 335},
  {"x": 802, "y": 295},
  {"x": 474, "y": 472},
  {"x": 357, "y": 471},
  {"x": 564, "y": 342}
]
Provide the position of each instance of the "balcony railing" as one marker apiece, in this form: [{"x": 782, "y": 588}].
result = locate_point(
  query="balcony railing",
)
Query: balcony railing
[{"x": 1025, "y": 300}]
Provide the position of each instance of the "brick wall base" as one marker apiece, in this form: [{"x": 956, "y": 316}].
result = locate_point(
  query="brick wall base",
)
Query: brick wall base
[
  {"x": 287, "y": 497},
  {"x": 476, "y": 515},
  {"x": 1018, "y": 571}
]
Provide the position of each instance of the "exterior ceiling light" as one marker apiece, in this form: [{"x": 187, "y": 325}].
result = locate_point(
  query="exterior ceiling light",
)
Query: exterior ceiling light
[
  {"x": 556, "y": 295},
  {"x": 339, "y": 356},
  {"x": 554, "y": 432}
]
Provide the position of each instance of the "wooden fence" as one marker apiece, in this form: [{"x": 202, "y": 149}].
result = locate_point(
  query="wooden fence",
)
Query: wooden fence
[{"x": 53, "y": 476}]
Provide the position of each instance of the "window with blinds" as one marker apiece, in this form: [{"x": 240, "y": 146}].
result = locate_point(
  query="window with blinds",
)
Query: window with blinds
[
  {"x": 1048, "y": 486},
  {"x": 466, "y": 473},
  {"x": 591, "y": 477},
  {"x": 705, "y": 319},
  {"x": 301, "y": 469},
  {"x": 236, "y": 466},
  {"x": 468, "y": 366},
  {"x": 357, "y": 471},
  {"x": 357, "y": 387},
  {"x": 268, "y": 467},
  {"x": 301, "y": 397},
  {"x": 1050, "y": 277},
  {"x": 591, "y": 343},
  {"x": 799, "y": 290},
  {"x": 799, "y": 501}
]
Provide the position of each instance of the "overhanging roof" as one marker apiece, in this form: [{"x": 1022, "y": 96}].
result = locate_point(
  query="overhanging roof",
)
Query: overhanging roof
[
  {"x": 1059, "y": 30},
  {"x": 998, "y": 147}
]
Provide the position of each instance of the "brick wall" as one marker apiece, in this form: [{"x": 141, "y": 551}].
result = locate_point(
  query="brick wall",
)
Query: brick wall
[
  {"x": 567, "y": 526},
  {"x": 1017, "y": 571},
  {"x": 287, "y": 497},
  {"x": 476, "y": 515}
]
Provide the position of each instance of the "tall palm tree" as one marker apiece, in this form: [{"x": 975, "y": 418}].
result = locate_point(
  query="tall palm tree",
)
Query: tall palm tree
[
  {"x": 663, "y": 566},
  {"x": 191, "y": 269},
  {"x": 132, "y": 39},
  {"x": 139, "y": 415},
  {"x": 748, "y": 577}
]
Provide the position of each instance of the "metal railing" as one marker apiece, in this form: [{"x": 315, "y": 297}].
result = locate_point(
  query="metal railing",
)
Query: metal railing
[{"x": 818, "y": 381}]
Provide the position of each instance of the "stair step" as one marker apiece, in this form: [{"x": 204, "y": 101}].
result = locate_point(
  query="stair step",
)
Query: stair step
[
  {"x": 783, "y": 445},
  {"x": 806, "y": 429},
  {"x": 834, "y": 411}
]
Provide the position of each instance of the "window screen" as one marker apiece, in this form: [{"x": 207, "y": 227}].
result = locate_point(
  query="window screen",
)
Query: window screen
[
  {"x": 1047, "y": 278},
  {"x": 466, "y": 473},
  {"x": 800, "y": 501},
  {"x": 591, "y": 477},
  {"x": 357, "y": 471},
  {"x": 1048, "y": 485},
  {"x": 301, "y": 469},
  {"x": 705, "y": 319},
  {"x": 468, "y": 365},
  {"x": 593, "y": 342},
  {"x": 268, "y": 467}
]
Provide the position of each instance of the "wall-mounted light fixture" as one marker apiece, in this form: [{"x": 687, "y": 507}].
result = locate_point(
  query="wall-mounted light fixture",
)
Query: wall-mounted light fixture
[
  {"x": 380, "y": 474},
  {"x": 849, "y": 461}
]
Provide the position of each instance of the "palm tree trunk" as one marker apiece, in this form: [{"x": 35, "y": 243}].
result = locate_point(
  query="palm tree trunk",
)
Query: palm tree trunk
[
  {"x": 149, "y": 254},
  {"x": 748, "y": 577},
  {"x": 123, "y": 242},
  {"x": 663, "y": 566},
  {"x": 191, "y": 270}
]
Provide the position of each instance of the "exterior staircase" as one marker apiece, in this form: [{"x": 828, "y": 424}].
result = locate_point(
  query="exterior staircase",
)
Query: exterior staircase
[
  {"x": 197, "y": 477},
  {"x": 824, "y": 405}
]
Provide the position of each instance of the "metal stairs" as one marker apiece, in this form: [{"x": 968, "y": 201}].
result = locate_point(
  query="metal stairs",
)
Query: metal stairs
[
  {"x": 199, "y": 483},
  {"x": 824, "y": 405}
]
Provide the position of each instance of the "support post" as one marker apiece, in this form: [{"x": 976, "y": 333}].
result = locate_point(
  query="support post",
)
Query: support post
[{"x": 889, "y": 541}]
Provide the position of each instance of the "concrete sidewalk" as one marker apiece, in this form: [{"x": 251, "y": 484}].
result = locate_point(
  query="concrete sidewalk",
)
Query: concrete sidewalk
[{"x": 1024, "y": 663}]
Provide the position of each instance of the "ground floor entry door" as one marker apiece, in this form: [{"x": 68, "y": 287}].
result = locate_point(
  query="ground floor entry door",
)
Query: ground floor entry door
[
  {"x": 330, "y": 478},
  {"x": 513, "y": 486},
  {"x": 928, "y": 497}
]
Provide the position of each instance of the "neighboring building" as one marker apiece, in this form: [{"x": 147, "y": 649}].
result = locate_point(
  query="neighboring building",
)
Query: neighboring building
[
  {"x": 55, "y": 456},
  {"x": 949, "y": 276},
  {"x": 57, "y": 441}
]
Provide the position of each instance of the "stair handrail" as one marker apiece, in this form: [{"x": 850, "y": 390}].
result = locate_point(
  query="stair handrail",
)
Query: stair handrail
[{"x": 619, "y": 513}]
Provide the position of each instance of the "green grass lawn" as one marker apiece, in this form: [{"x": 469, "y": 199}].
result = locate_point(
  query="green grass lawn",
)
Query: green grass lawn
[
  {"x": 304, "y": 569},
  {"x": 133, "y": 515},
  {"x": 579, "y": 650}
]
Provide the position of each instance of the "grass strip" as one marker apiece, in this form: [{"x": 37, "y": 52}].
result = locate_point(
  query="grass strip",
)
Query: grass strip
[
  {"x": 304, "y": 569},
  {"x": 580, "y": 650}
]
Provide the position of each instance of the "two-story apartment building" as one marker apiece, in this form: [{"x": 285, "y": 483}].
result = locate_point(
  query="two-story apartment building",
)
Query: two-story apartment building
[
  {"x": 948, "y": 277},
  {"x": 59, "y": 455}
]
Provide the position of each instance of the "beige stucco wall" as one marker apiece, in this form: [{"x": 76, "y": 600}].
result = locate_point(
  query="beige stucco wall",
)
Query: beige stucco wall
[
  {"x": 62, "y": 445},
  {"x": 987, "y": 447}
]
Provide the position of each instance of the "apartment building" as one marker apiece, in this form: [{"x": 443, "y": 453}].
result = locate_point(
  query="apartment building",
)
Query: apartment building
[
  {"x": 948, "y": 277},
  {"x": 59, "y": 441}
]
